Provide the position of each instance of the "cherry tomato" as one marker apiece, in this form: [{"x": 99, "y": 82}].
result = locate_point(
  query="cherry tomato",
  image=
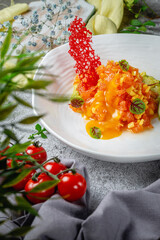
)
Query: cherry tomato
[
  {"x": 55, "y": 168},
  {"x": 72, "y": 186},
  {"x": 2, "y": 151},
  {"x": 37, "y": 152},
  {"x": 39, "y": 196},
  {"x": 9, "y": 161},
  {"x": 20, "y": 186}
]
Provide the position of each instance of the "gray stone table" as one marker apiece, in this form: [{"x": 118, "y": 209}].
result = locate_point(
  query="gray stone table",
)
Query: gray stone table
[{"x": 104, "y": 176}]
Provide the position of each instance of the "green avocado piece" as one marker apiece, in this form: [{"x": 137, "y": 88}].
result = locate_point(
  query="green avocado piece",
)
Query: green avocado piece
[{"x": 151, "y": 80}]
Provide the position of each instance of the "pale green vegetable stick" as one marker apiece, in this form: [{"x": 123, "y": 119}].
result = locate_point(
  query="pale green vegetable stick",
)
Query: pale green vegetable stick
[{"x": 9, "y": 13}]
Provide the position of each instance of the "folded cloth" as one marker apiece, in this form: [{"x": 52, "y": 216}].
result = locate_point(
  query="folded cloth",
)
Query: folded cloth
[
  {"x": 122, "y": 215},
  {"x": 108, "y": 16},
  {"x": 128, "y": 215}
]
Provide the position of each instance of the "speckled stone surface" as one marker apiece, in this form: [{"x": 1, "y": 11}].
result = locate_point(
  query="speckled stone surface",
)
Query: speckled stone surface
[{"x": 104, "y": 176}]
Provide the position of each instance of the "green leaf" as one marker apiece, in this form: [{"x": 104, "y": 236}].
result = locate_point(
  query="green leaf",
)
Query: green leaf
[
  {"x": 31, "y": 137},
  {"x": 24, "y": 204},
  {"x": 136, "y": 22},
  {"x": 77, "y": 102},
  {"x": 142, "y": 29},
  {"x": 59, "y": 98},
  {"x": 125, "y": 31},
  {"x": 129, "y": 4},
  {"x": 6, "y": 43},
  {"x": 44, "y": 136},
  {"x": 3, "y": 97},
  {"x": 18, "y": 148},
  {"x": 38, "y": 127},
  {"x": 4, "y": 144},
  {"x": 95, "y": 132},
  {"x": 17, "y": 70},
  {"x": 137, "y": 106},
  {"x": 24, "y": 55},
  {"x": 21, "y": 101},
  {"x": 21, "y": 231},
  {"x": 136, "y": 15},
  {"x": 5, "y": 111},
  {"x": 14, "y": 164},
  {"x": 137, "y": 32},
  {"x": 26, "y": 158},
  {"x": 131, "y": 28},
  {"x": 144, "y": 8},
  {"x": 30, "y": 120},
  {"x": 38, "y": 84},
  {"x": 11, "y": 134},
  {"x": 16, "y": 180},
  {"x": 40, "y": 131},
  {"x": 124, "y": 65},
  {"x": 149, "y": 23},
  {"x": 30, "y": 60},
  {"x": 44, "y": 186}
]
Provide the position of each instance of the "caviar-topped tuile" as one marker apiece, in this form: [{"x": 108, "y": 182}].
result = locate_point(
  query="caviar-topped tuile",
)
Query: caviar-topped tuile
[{"x": 112, "y": 98}]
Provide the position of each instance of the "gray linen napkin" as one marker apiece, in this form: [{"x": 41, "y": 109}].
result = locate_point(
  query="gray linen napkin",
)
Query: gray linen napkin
[
  {"x": 127, "y": 215},
  {"x": 122, "y": 215}
]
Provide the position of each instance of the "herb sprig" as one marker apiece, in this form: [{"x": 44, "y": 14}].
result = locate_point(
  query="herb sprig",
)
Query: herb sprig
[
  {"x": 139, "y": 9},
  {"x": 137, "y": 26},
  {"x": 40, "y": 132}
]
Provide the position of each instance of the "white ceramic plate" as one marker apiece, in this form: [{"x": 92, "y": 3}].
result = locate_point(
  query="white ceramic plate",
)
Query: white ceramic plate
[{"x": 141, "y": 51}]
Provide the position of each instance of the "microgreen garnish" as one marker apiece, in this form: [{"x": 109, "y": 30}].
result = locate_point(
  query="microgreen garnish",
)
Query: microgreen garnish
[
  {"x": 77, "y": 102},
  {"x": 124, "y": 65},
  {"x": 95, "y": 132},
  {"x": 137, "y": 106},
  {"x": 154, "y": 84},
  {"x": 40, "y": 131}
]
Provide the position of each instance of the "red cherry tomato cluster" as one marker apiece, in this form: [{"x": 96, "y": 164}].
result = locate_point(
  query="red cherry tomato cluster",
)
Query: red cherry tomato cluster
[{"x": 72, "y": 185}]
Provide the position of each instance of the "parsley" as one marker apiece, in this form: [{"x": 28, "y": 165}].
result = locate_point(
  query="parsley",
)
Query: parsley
[{"x": 40, "y": 131}]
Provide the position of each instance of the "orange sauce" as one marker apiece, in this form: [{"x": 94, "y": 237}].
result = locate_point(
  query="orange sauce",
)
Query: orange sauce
[{"x": 109, "y": 129}]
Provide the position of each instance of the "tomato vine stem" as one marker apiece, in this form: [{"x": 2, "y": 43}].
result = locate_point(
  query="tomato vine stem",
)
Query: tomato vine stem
[
  {"x": 55, "y": 159},
  {"x": 67, "y": 170},
  {"x": 45, "y": 171}
]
